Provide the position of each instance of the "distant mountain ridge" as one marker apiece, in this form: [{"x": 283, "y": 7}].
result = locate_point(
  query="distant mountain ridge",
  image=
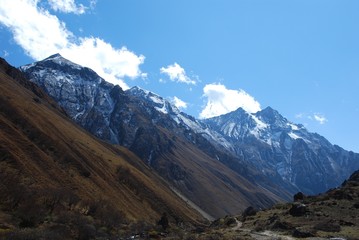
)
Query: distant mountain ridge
[{"x": 263, "y": 148}]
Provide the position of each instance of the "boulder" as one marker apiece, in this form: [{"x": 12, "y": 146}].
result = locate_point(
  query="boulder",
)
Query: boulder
[
  {"x": 328, "y": 226},
  {"x": 282, "y": 225},
  {"x": 301, "y": 234},
  {"x": 298, "y": 210},
  {"x": 298, "y": 197}
]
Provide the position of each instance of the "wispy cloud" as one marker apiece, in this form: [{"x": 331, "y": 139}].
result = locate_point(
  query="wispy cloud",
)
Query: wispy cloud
[
  {"x": 177, "y": 74},
  {"x": 5, "y": 54},
  {"x": 318, "y": 117},
  {"x": 299, "y": 115},
  {"x": 221, "y": 100},
  {"x": 180, "y": 104},
  {"x": 67, "y": 6},
  {"x": 42, "y": 34}
]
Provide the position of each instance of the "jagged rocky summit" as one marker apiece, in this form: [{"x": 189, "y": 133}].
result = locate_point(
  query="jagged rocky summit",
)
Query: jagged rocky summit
[{"x": 263, "y": 146}]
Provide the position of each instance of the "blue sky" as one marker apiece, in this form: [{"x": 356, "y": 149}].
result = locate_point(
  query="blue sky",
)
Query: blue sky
[{"x": 301, "y": 57}]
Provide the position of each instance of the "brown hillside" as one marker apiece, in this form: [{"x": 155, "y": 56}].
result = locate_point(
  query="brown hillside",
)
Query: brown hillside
[{"x": 50, "y": 167}]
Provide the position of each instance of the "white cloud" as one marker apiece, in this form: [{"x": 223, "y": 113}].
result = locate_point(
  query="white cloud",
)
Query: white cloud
[
  {"x": 180, "y": 104},
  {"x": 38, "y": 32},
  {"x": 110, "y": 63},
  {"x": 5, "y": 54},
  {"x": 93, "y": 3},
  {"x": 177, "y": 74},
  {"x": 221, "y": 100},
  {"x": 67, "y": 6},
  {"x": 42, "y": 34},
  {"x": 299, "y": 115},
  {"x": 320, "y": 118}
]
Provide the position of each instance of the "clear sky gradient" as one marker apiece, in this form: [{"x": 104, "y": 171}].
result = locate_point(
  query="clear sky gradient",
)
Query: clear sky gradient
[{"x": 209, "y": 57}]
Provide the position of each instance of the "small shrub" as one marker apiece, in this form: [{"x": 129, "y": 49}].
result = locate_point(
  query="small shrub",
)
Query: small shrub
[
  {"x": 30, "y": 214},
  {"x": 250, "y": 211}
]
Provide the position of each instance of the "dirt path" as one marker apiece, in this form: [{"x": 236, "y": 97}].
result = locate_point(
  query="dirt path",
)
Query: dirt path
[
  {"x": 266, "y": 235},
  {"x": 238, "y": 226},
  {"x": 269, "y": 235}
]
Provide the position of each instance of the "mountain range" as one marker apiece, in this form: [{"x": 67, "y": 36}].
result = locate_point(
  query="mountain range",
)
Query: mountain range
[
  {"x": 82, "y": 157},
  {"x": 238, "y": 159}
]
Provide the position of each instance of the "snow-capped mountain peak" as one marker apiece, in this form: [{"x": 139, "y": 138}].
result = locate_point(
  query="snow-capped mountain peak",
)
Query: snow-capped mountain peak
[
  {"x": 265, "y": 125},
  {"x": 271, "y": 117},
  {"x": 57, "y": 58},
  {"x": 62, "y": 70},
  {"x": 159, "y": 103},
  {"x": 53, "y": 59},
  {"x": 78, "y": 89},
  {"x": 238, "y": 124}
]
